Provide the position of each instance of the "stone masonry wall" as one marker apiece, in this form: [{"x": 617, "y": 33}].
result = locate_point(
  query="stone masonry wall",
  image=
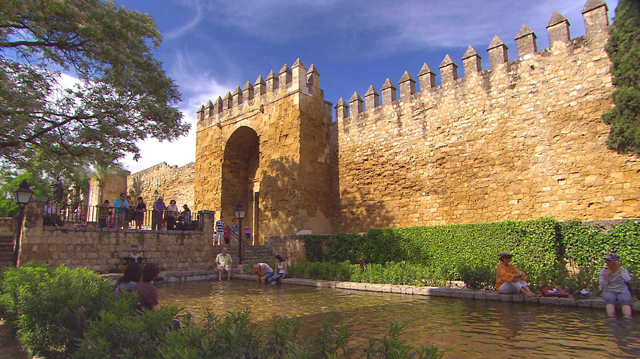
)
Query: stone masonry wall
[
  {"x": 521, "y": 140},
  {"x": 110, "y": 189},
  {"x": 289, "y": 119},
  {"x": 105, "y": 250},
  {"x": 171, "y": 182}
]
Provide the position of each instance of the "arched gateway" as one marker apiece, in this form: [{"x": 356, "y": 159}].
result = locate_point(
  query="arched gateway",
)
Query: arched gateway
[
  {"x": 240, "y": 183},
  {"x": 266, "y": 147}
]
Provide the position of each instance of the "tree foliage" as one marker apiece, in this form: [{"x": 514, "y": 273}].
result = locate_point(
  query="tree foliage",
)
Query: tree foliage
[
  {"x": 624, "y": 51},
  {"x": 119, "y": 93}
]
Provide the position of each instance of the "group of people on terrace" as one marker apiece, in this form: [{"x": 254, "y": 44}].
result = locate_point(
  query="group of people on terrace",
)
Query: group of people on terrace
[
  {"x": 614, "y": 281},
  {"x": 126, "y": 212},
  {"x": 224, "y": 233}
]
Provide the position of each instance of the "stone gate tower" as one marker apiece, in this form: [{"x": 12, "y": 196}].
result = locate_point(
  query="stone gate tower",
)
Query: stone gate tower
[{"x": 265, "y": 146}]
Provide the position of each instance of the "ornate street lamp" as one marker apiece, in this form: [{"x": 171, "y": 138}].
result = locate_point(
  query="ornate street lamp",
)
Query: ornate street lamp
[
  {"x": 23, "y": 196},
  {"x": 239, "y": 213}
]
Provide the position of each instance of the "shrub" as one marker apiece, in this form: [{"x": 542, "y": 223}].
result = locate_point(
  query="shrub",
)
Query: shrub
[
  {"x": 313, "y": 248},
  {"x": 120, "y": 332},
  {"x": 346, "y": 247},
  {"x": 320, "y": 270},
  {"x": 476, "y": 276},
  {"x": 585, "y": 248},
  {"x": 444, "y": 248},
  {"x": 395, "y": 273},
  {"x": 51, "y": 308}
]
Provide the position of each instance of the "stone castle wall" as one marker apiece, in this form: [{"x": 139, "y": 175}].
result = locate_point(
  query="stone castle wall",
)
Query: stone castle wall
[
  {"x": 522, "y": 139},
  {"x": 264, "y": 147},
  {"x": 171, "y": 182}
]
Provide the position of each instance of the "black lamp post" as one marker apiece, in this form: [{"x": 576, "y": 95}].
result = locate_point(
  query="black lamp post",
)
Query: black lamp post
[
  {"x": 23, "y": 196},
  {"x": 239, "y": 213}
]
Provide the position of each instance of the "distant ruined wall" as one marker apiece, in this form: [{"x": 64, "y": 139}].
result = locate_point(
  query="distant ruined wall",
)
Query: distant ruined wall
[
  {"x": 171, "y": 182},
  {"x": 110, "y": 189},
  {"x": 522, "y": 139}
]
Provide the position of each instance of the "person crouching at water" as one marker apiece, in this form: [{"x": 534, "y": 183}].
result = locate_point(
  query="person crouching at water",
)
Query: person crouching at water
[
  {"x": 511, "y": 280},
  {"x": 263, "y": 272},
  {"x": 281, "y": 266},
  {"x": 614, "y": 280}
]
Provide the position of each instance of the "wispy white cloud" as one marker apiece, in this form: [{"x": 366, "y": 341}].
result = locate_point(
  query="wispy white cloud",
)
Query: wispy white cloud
[
  {"x": 190, "y": 25},
  {"x": 397, "y": 25},
  {"x": 197, "y": 87}
]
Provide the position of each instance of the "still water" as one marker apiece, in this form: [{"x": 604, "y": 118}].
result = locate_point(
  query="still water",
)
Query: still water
[{"x": 462, "y": 328}]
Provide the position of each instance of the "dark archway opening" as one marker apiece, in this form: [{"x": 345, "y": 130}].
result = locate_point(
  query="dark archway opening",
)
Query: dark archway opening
[{"x": 239, "y": 179}]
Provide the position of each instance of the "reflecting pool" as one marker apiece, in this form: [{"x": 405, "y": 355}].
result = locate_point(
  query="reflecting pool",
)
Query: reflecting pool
[{"x": 462, "y": 328}]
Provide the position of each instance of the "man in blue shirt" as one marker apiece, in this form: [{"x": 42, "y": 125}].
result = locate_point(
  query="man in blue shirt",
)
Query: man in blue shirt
[{"x": 121, "y": 205}]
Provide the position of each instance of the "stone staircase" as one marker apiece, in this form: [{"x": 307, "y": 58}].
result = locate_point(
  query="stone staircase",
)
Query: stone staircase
[{"x": 6, "y": 250}]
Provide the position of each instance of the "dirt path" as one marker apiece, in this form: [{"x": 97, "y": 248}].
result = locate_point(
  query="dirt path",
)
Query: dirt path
[{"x": 9, "y": 347}]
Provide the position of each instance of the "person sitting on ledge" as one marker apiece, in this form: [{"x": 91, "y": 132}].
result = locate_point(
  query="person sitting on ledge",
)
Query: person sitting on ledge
[
  {"x": 511, "y": 280},
  {"x": 223, "y": 262},
  {"x": 147, "y": 293},
  {"x": 263, "y": 272},
  {"x": 614, "y": 281},
  {"x": 132, "y": 275},
  {"x": 281, "y": 265}
]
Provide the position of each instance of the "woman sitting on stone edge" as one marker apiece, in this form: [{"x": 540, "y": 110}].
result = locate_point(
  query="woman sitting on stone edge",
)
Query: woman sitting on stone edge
[
  {"x": 511, "y": 280},
  {"x": 614, "y": 280},
  {"x": 132, "y": 275}
]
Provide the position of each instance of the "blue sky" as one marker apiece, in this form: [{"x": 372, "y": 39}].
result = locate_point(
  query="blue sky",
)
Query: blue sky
[{"x": 212, "y": 46}]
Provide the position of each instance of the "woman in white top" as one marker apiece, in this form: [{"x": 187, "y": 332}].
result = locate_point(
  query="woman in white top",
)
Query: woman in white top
[
  {"x": 281, "y": 267},
  {"x": 172, "y": 214}
]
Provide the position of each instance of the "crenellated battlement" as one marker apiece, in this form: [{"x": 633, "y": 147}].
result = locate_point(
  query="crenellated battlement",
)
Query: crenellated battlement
[
  {"x": 251, "y": 97},
  {"x": 595, "y": 14}
]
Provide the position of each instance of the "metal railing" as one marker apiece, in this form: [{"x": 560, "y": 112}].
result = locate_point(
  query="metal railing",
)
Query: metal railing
[{"x": 108, "y": 217}]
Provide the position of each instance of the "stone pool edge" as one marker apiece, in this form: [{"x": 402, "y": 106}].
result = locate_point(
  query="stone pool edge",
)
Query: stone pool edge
[
  {"x": 595, "y": 303},
  {"x": 212, "y": 275}
]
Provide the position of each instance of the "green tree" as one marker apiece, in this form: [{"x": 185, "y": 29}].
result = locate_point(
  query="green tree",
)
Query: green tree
[
  {"x": 121, "y": 95},
  {"x": 9, "y": 183},
  {"x": 624, "y": 51}
]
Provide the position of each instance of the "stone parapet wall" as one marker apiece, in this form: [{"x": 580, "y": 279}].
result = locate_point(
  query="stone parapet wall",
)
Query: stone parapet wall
[
  {"x": 107, "y": 250},
  {"x": 6, "y": 226},
  {"x": 291, "y": 248},
  {"x": 521, "y": 140},
  {"x": 171, "y": 182}
]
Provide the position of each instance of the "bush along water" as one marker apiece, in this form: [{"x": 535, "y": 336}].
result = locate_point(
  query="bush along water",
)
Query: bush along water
[
  {"x": 72, "y": 313},
  {"x": 566, "y": 254},
  {"x": 51, "y": 308}
]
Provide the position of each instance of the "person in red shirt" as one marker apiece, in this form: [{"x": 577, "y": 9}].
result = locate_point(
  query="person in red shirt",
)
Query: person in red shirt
[{"x": 511, "y": 280}]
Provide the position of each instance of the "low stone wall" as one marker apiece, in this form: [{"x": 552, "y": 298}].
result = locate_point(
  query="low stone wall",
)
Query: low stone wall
[
  {"x": 107, "y": 250},
  {"x": 290, "y": 247},
  {"x": 6, "y": 226}
]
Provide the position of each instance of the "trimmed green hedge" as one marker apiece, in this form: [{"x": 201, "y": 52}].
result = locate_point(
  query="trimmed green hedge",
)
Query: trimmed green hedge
[{"x": 470, "y": 252}]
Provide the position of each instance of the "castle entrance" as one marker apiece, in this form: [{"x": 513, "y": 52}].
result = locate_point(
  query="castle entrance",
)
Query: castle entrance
[{"x": 239, "y": 180}]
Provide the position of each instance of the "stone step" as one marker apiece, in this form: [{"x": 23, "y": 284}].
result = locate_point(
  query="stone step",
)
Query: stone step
[{"x": 7, "y": 239}]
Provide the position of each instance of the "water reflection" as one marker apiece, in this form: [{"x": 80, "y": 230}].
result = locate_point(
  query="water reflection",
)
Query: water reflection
[{"x": 464, "y": 328}]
